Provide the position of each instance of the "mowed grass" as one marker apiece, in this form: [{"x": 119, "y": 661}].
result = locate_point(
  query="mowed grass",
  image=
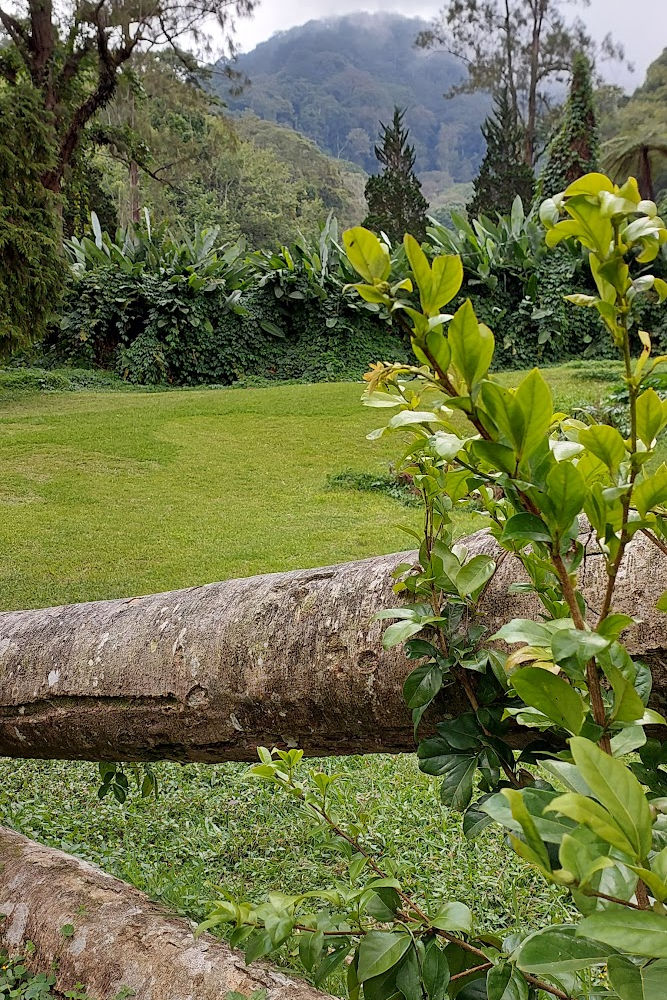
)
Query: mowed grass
[{"x": 110, "y": 494}]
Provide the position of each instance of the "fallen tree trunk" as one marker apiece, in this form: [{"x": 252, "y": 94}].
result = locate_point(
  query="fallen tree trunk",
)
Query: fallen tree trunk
[
  {"x": 114, "y": 937},
  {"x": 289, "y": 659}
]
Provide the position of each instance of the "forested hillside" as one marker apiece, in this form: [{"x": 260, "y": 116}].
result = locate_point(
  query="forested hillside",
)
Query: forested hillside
[{"x": 332, "y": 80}]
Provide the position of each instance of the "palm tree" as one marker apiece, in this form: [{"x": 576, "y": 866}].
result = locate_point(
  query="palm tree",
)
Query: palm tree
[{"x": 644, "y": 158}]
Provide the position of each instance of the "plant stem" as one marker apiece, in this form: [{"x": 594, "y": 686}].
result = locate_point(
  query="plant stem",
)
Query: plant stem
[
  {"x": 656, "y": 541},
  {"x": 469, "y": 972}
]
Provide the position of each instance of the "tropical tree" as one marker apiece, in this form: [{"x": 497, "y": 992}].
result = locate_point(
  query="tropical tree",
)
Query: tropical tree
[
  {"x": 396, "y": 204},
  {"x": 644, "y": 157},
  {"x": 73, "y": 55},
  {"x": 526, "y": 46},
  {"x": 502, "y": 175}
]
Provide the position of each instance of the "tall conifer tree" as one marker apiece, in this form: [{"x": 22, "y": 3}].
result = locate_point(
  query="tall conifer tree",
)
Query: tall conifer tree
[
  {"x": 574, "y": 146},
  {"x": 503, "y": 174},
  {"x": 396, "y": 204}
]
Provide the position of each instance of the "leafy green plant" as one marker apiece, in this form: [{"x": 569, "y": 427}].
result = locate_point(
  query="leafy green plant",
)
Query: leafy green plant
[
  {"x": 589, "y": 819},
  {"x": 159, "y": 309}
]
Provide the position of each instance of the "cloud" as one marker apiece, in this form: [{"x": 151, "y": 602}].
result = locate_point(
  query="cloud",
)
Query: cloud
[{"x": 638, "y": 26}]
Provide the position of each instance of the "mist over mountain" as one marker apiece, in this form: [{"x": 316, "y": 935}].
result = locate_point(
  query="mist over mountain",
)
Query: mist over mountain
[{"x": 333, "y": 80}]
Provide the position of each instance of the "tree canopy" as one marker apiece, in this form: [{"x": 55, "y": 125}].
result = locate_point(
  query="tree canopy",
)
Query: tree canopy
[
  {"x": 395, "y": 203},
  {"x": 503, "y": 175},
  {"x": 526, "y": 46},
  {"x": 73, "y": 55}
]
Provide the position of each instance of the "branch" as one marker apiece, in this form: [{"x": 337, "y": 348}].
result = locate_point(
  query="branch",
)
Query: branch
[{"x": 17, "y": 33}]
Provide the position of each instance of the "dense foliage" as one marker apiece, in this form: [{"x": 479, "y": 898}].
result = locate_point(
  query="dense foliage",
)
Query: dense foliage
[
  {"x": 576, "y": 807},
  {"x": 395, "y": 202},
  {"x": 503, "y": 174},
  {"x": 573, "y": 150},
  {"x": 155, "y": 309},
  {"x": 517, "y": 289},
  {"x": 169, "y": 146},
  {"x": 33, "y": 267}
]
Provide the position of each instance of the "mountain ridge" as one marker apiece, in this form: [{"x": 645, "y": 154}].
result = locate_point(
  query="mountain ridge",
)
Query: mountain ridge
[{"x": 333, "y": 80}]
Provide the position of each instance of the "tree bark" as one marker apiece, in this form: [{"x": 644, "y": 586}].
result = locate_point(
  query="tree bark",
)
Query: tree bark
[
  {"x": 116, "y": 936},
  {"x": 289, "y": 659}
]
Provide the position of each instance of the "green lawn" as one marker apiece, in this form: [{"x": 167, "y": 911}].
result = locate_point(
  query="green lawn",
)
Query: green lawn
[{"x": 106, "y": 494}]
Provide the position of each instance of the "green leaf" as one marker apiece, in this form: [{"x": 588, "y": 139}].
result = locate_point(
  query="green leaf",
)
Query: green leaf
[
  {"x": 506, "y": 413},
  {"x": 578, "y": 645},
  {"x": 453, "y": 917},
  {"x": 559, "y": 949},
  {"x": 399, "y": 632},
  {"x": 651, "y": 416},
  {"x": 550, "y": 829},
  {"x": 651, "y": 492},
  {"x": 531, "y": 632},
  {"x": 423, "y": 684},
  {"x": 330, "y": 963},
  {"x": 635, "y": 932},
  {"x": 259, "y": 944},
  {"x": 420, "y": 268},
  {"x": 476, "y": 572},
  {"x": 633, "y": 982},
  {"x": 525, "y": 528},
  {"x": 565, "y": 493},
  {"x": 408, "y": 978},
  {"x": 369, "y": 293},
  {"x": 435, "y": 971},
  {"x": 534, "y": 397},
  {"x": 383, "y": 904},
  {"x": 504, "y": 982},
  {"x": 523, "y": 817},
  {"x": 366, "y": 254},
  {"x": 617, "y": 789},
  {"x": 628, "y": 706},
  {"x": 588, "y": 812},
  {"x": 438, "y": 348},
  {"x": 457, "y": 772},
  {"x": 447, "y": 277},
  {"x": 605, "y": 443},
  {"x": 591, "y": 184},
  {"x": 471, "y": 343},
  {"x": 380, "y": 951},
  {"x": 551, "y": 695},
  {"x": 310, "y": 949}
]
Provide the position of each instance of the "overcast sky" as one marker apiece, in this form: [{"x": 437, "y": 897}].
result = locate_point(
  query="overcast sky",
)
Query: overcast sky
[{"x": 640, "y": 24}]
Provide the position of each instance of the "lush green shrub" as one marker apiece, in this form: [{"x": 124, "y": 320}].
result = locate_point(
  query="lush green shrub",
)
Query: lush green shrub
[
  {"x": 160, "y": 310},
  {"x": 156, "y": 309},
  {"x": 520, "y": 292}
]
